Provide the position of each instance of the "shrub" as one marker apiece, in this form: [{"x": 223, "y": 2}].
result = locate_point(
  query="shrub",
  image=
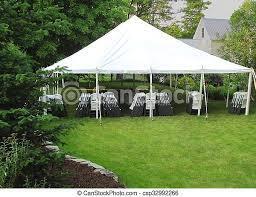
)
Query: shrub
[
  {"x": 13, "y": 158},
  {"x": 214, "y": 79},
  {"x": 187, "y": 82},
  {"x": 57, "y": 109}
]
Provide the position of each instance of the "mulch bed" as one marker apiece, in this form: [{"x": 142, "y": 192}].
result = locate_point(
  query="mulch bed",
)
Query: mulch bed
[{"x": 83, "y": 176}]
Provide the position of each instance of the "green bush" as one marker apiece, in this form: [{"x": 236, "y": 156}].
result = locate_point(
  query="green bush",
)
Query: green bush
[
  {"x": 22, "y": 164},
  {"x": 186, "y": 82},
  {"x": 57, "y": 109},
  {"x": 13, "y": 158}
]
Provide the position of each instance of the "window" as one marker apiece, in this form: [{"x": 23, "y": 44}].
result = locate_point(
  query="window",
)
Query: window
[{"x": 202, "y": 32}]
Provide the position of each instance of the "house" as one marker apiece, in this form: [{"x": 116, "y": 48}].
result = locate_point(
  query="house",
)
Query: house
[
  {"x": 213, "y": 27},
  {"x": 209, "y": 35},
  {"x": 221, "y": 9}
]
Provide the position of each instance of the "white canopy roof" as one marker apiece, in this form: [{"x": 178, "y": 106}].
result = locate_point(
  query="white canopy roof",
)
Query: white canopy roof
[{"x": 137, "y": 47}]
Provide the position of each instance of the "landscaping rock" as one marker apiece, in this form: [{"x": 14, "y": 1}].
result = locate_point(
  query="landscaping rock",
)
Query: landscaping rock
[
  {"x": 69, "y": 157},
  {"x": 47, "y": 143},
  {"x": 52, "y": 148},
  {"x": 96, "y": 166}
]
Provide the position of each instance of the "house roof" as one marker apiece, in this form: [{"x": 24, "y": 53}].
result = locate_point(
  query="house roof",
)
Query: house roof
[{"x": 216, "y": 28}]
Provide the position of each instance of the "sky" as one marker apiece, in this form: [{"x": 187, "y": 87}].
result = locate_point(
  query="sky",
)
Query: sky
[{"x": 222, "y": 9}]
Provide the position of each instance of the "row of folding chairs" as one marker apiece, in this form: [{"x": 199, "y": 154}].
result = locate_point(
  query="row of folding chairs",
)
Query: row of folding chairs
[
  {"x": 160, "y": 103},
  {"x": 238, "y": 103},
  {"x": 84, "y": 105},
  {"x": 193, "y": 102},
  {"x": 88, "y": 105},
  {"x": 110, "y": 105}
]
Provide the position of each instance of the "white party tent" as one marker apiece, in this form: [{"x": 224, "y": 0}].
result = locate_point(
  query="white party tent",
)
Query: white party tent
[{"x": 136, "y": 47}]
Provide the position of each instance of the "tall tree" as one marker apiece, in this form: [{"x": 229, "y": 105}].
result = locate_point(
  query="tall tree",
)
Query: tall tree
[
  {"x": 35, "y": 34},
  {"x": 154, "y": 12},
  {"x": 193, "y": 12},
  {"x": 240, "y": 44}
]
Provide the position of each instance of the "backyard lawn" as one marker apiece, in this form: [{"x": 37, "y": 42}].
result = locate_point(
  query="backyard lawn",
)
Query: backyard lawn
[{"x": 178, "y": 151}]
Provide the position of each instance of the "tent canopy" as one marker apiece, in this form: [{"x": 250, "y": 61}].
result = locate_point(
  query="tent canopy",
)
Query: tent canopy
[{"x": 136, "y": 47}]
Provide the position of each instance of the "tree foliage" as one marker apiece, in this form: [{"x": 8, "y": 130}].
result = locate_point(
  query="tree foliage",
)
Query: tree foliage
[
  {"x": 49, "y": 30},
  {"x": 193, "y": 12},
  {"x": 154, "y": 12},
  {"x": 35, "y": 34},
  {"x": 174, "y": 30},
  {"x": 191, "y": 15},
  {"x": 240, "y": 44}
]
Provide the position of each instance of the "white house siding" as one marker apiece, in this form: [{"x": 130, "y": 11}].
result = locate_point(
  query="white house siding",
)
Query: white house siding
[
  {"x": 205, "y": 43},
  {"x": 216, "y": 47}
]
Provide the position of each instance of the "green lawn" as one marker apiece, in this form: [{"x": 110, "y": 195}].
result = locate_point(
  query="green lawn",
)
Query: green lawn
[{"x": 179, "y": 151}]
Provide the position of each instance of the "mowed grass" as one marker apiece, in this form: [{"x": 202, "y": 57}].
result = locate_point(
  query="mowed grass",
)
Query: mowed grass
[{"x": 178, "y": 151}]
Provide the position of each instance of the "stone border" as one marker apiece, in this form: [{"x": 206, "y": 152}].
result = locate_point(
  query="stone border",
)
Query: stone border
[
  {"x": 49, "y": 146},
  {"x": 97, "y": 168}
]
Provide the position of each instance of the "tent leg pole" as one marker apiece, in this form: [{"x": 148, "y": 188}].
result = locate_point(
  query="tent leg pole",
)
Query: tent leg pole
[
  {"x": 63, "y": 82},
  {"x": 249, "y": 95},
  {"x": 176, "y": 81},
  {"x": 44, "y": 100},
  {"x": 201, "y": 91},
  {"x": 227, "y": 102},
  {"x": 97, "y": 96},
  {"x": 57, "y": 83},
  {"x": 52, "y": 84},
  {"x": 151, "y": 92},
  {"x": 170, "y": 81},
  {"x": 205, "y": 99}
]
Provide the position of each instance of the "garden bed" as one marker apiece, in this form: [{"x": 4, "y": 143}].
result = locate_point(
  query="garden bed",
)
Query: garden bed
[{"x": 84, "y": 176}]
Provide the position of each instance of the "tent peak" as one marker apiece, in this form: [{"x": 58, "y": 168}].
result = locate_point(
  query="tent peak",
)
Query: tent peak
[{"x": 135, "y": 18}]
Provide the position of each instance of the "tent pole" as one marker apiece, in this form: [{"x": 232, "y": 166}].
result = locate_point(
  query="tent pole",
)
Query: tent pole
[
  {"x": 52, "y": 85},
  {"x": 133, "y": 81},
  {"x": 151, "y": 93},
  {"x": 44, "y": 99},
  {"x": 176, "y": 81},
  {"x": 97, "y": 96},
  {"x": 99, "y": 99},
  {"x": 63, "y": 83},
  {"x": 201, "y": 91},
  {"x": 170, "y": 81},
  {"x": 57, "y": 83},
  {"x": 249, "y": 95},
  {"x": 227, "y": 102},
  {"x": 205, "y": 99}
]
